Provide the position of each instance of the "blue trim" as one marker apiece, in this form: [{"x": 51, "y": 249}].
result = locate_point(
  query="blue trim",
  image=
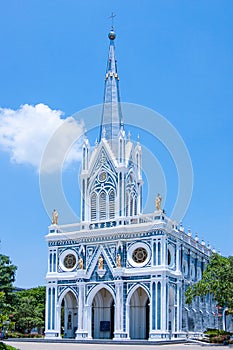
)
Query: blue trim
[
  {"x": 53, "y": 308},
  {"x": 159, "y": 305}
]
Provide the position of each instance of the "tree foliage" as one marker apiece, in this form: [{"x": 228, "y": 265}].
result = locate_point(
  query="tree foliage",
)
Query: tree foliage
[
  {"x": 217, "y": 280},
  {"x": 7, "y": 276},
  {"x": 29, "y": 309}
]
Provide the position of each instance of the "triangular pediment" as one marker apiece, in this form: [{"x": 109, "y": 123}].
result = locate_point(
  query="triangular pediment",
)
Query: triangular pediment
[
  {"x": 95, "y": 265},
  {"x": 102, "y": 158}
]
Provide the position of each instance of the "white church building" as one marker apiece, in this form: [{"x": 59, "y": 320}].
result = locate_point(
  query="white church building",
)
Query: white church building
[{"x": 121, "y": 274}]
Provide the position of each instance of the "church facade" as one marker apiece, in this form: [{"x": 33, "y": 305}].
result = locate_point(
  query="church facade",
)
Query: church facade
[{"x": 119, "y": 273}]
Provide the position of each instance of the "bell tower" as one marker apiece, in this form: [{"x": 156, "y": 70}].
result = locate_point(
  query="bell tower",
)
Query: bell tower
[{"x": 111, "y": 175}]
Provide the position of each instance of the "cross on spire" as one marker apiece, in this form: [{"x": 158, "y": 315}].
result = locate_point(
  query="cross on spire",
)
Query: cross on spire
[{"x": 112, "y": 18}]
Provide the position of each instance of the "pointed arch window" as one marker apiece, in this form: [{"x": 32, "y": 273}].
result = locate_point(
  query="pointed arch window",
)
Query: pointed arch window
[
  {"x": 93, "y": 206},
  {"x": 135, "y": 206},
  {"x": 131, "y": 205},
  {"x": 102, "y": 205},
  {"x": 111, "y": 204},
  {"x": 127, "y": 204}
]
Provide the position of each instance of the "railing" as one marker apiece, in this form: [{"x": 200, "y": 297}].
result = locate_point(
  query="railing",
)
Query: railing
[
  {"x": 158, "y": 217},
  {"x": 121, "y": 221}
]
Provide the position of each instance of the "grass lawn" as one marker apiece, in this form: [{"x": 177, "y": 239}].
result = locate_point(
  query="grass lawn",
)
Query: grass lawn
[{"x": 6, "y": 347}]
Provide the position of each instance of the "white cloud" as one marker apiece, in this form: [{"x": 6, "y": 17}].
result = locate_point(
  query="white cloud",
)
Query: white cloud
[{"x": 24, "y": 133}]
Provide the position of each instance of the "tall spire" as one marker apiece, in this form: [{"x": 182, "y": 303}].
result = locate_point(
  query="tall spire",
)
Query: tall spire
[{"x": 112, "y": 120}]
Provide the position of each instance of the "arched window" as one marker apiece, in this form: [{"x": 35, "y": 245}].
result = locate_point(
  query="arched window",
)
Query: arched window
[
  {"x": 93, "y": 206},
  {"x": 127, "y": 204},
  {"x": 111, "y": 204},
  {"x": 131, "y": 205},
  {"x": 135, "y": 206},
  {"x": 50, "y": 262},
  {"x": 102, "y": 205}
]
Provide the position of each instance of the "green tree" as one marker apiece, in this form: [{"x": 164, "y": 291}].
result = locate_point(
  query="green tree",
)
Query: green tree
[
  {"x": 29, "y": 309},
  {"x": 217, "y": 280},
  {"x": 7, "y": 277}
]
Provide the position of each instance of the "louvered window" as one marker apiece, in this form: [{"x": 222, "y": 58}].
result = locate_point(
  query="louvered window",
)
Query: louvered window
[
  {"x": 127, "y": 204},
  {"x": 93, "y": 207},
  {"x": 111, "y": 204},
  {"x": 135, "y": 206},
  {"x": 102, "y": 205}
]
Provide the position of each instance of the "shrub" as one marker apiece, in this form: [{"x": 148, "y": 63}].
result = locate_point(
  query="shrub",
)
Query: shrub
[{"x": 6, "y": 347}]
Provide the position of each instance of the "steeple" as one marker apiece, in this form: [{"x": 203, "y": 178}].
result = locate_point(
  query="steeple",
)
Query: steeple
[{"x": 112, "y": 120}]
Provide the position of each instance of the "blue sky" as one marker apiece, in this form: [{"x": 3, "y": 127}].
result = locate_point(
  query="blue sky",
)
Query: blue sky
[{"x": 174, "y": 57}]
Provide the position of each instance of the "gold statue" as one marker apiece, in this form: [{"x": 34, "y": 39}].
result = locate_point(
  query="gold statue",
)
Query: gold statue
[
  {"x": 55, "y": 217},
  {"x": 118, "y": 260},
  {"x": 101, "y": 263},
  {"x": 80, "y": 263},
  {"x": 158, "y": 201}
]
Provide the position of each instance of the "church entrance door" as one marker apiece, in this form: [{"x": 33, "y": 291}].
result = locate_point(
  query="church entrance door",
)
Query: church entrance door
[
  {"x": 69, "y": 315},
  {"x": 139, "y": 315},
  {"x": 103, "y": 315}
]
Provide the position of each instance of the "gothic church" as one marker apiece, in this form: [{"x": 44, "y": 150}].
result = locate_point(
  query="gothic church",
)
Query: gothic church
[{"x": 121, "y": 274}]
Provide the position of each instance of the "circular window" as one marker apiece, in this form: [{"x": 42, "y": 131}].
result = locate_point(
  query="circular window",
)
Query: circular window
[
  {"x": 69, "y": 261},
  {"x": 139, "y": 255}
]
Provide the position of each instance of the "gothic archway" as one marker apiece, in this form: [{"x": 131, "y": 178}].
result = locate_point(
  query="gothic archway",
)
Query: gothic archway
[
  {"x": 103, "y": 315},
  {"x": 69, "y": 315},
  {"x": 139, "y": 315}
]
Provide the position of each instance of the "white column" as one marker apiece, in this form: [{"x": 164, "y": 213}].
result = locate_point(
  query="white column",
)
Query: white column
[
  {"x": 80, "y": 306},
  {"x": 58, "y": 320},
  {"x": 179, "y": 311},
  {"x": 82, "y": 331},
  {"x": 164, "y": 306},
  {"x": 118, "y": 327},
  {"x": 163, "y": 251},
  {"x": 88, "y": 320},
  {"x": 127, "y": 319},
  {"x": 47, "y": 310}
]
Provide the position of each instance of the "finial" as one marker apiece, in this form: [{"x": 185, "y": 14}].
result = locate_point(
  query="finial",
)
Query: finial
[
  {"x": 112, "y": 34},
  {"x": 189, "y": 232},
  {"x": 104, "y": 133},
  {"x": 112, "y": 18},
  {"x": 196, "y": 238},
  {"x": 181, "y": 227},
  {"x": 203, "y": 242},
  {"x": 138, "y": 139}
]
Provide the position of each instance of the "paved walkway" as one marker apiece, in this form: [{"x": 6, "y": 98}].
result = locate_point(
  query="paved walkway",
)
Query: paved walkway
[{"x": 72, "y": 346}]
